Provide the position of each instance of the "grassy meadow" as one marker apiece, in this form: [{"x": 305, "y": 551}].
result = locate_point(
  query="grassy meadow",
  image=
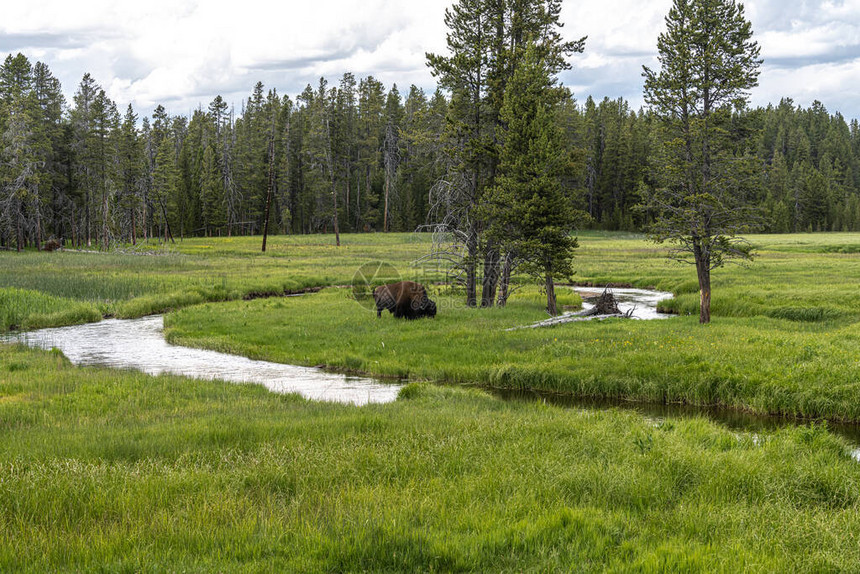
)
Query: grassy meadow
[
  {"x": 117, "y": 471},
  {"x": 37, "y": 289},
  {"x": 784, "y": 340}
]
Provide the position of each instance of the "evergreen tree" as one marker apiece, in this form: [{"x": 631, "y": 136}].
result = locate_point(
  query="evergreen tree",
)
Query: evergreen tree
[
  {"x": 130, "y": 167},
  {"x": 104, "y": 125},
  {"x": 708, "y": 62},
  {"x": 51, "y": 148},
  {"x": 530, "y": 213},
  {"x": 391, "y": 150},
  {"x": 345, "y": 141},
  {"x": 485, "y": 40},
  {"x": 371, "y": 102},
  {"x": 21, "y": 166},
  {"x": 164, "y": 183},
  {"x": 85, "y": 150}
]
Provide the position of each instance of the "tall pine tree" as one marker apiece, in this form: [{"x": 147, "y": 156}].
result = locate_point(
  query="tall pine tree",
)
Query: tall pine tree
[{"x": 708, "y": 63}]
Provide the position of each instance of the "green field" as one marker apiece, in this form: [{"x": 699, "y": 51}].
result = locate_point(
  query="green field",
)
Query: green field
[
  {"x": 785, "y": 338},
  {"x": 118, "y": 471},
  {"x": 158, "y": 279}
]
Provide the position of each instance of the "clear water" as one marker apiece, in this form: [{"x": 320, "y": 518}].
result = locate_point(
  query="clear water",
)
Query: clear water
[
  {"x": 643, "y": 302},
  {"x": 139, "y": 344}
]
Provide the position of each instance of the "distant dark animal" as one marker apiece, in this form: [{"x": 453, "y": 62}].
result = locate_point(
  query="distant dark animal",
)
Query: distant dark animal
[
  {"x": 52, "y": 245},
  {"x": 406, "y": 300}
]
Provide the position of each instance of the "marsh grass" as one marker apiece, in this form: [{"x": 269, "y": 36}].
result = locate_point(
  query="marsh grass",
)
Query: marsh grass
[
  {"x": 105, "y": 470},
  {"x": 118, "y": 471},
  {"x": 782, "y": 341},
  {"x": 29, "y": 309},
  {"x": 194, "y": 271},
  {"x": 805, "y": 277},
  {"x": 759, "y": 364}
]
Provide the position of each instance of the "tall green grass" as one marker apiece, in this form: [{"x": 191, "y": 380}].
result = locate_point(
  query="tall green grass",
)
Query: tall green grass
[
  {"x": 199, "y": 270},
  {"x": 29, "y": 309},
  {"x": 782, "y": 340},
  {"x": 117, "y": 471},
  {"x": 760, "y": 364},
  {"x": 804, "y": 277}
]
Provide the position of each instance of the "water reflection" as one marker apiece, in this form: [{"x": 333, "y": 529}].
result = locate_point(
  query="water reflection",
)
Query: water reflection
[
  {"x": 733, "y": 419},
  {"x": 643, "y": 302},
  {"x": 139, "y": 344}
]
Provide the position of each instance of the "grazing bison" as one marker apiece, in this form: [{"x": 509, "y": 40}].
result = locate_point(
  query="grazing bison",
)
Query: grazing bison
[
  {"x": 406, "y": 299},
  {"x": 52, "y": 245}
]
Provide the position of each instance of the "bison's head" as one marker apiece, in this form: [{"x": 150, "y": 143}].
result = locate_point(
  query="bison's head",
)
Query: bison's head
[
  {"x": 423, "y": 307},
  {"x": 428, "y": 308}
]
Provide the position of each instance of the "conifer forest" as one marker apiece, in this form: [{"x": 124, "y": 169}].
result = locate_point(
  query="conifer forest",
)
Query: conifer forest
[{"x": 355, "y": 155}]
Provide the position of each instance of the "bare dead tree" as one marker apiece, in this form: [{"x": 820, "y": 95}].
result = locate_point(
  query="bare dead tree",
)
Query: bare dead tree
[
  {"x": 270, "y": 189},
  {"x": 455, "y": 233}
]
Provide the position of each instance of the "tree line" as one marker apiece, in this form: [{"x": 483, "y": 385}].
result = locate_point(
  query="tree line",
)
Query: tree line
[
  {"x": 359, "y": 157},
  {"x": 807, "y": 163},
  {"x": 84, "y": 172}
]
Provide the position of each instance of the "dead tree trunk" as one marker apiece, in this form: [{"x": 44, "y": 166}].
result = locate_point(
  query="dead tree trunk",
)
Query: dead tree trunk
[
  {"x": 271, "y": 186},
  {"x": 505, "y": 280},
  {"x": 471, "y": 274}
]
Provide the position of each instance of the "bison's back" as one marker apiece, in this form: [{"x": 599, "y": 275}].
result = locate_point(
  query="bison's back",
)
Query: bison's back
[{"x": 403, "y": 299}]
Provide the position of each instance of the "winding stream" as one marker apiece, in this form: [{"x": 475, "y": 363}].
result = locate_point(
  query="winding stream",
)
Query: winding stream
[
  {"x": 641, "y": 302},
  {"x": 140, "y": 344}
]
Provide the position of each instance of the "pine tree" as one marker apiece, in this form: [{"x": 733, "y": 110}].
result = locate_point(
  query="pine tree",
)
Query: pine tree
[
  {"x": 52, "y": 151},
  {"x": 164, "y": 182},
  {"x": 530, "y": 213},
  {"x": 485, "y": 40},
  {"x": 21, "y": 165},
  {"x": 85, "y": 150},
  {"x": 708, "y": 62},
  {"x": 104, "y": 125},
  {"x": 344, "y": 126},
  {"x": 130, "y": 165},
  {"x": 391, "y": 151},
  {"x": 371, "y": 102}
]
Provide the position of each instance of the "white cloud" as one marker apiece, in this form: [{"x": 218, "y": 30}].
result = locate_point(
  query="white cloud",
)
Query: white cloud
[{"x": 181, "y": 53}]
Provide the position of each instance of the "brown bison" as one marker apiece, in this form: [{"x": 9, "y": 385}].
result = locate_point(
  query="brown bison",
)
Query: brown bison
[
  {"x": 52, "y": 245},
  {"x": 406, "y": 299}
]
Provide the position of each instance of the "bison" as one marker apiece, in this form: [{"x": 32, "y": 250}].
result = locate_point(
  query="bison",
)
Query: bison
[{"x": 406, "y": 299}]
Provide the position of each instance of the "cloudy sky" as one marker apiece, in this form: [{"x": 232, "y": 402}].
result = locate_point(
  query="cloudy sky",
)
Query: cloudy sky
[{"x": 181, "y": 53}]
